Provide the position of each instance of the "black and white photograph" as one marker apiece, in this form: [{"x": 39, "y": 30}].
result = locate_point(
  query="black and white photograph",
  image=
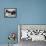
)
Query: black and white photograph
[
  {"x": 10, "y": 12},
  {"x": 31, "y": 34}
]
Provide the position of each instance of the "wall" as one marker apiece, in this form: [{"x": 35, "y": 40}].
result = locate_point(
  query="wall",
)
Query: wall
[
  {"x": 7, "y": 25},
  {"x": 33, "y": 12},
  {"x": 28, "y": 12}
]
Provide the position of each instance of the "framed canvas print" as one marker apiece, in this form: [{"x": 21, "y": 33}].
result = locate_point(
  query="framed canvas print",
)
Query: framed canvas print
[
  {"x": 33, "y": 32},
  {"x": 10, "y": 12}
]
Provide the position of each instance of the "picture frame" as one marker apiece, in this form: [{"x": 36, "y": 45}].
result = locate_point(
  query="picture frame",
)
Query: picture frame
[
  {"x": 37, "y": 29},
  {"x": 10, "y": 12}
]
